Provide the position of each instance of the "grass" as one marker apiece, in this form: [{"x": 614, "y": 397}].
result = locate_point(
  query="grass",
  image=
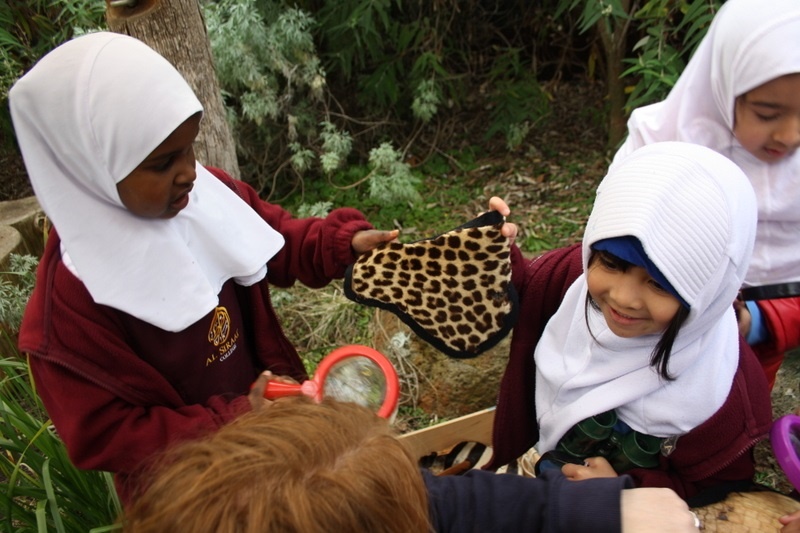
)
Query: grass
[
  {"x": 785, "y": 400},
  {"x": 41, "y": 489}
]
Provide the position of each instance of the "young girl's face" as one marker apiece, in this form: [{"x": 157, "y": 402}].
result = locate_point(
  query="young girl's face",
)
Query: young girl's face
[
  {"x": 159, "y": 187},
  {"x": 632, "y": 302},
  {"x": 767, "y": 119}
]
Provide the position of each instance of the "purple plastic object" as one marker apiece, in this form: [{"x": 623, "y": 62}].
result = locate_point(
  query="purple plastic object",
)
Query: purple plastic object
[{"x": 785, "y": 439}]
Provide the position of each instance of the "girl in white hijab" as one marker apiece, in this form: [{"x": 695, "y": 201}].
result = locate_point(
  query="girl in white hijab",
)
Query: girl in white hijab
[
  {"x": 636, "y": 326},
  {"x": 740, "y": 96},
  {"x": 151, "y": 314}
]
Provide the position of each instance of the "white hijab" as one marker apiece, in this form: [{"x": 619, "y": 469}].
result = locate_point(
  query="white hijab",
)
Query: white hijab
[
  {"x": 694, "y": 212},
  {"x": 749, "y": 43},
  {"x": 85, "y": 116}
]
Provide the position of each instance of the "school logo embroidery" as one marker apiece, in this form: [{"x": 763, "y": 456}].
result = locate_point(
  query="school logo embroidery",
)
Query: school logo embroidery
[
  {"x": 220, "y": 327},
  {"x": 219, "y": 334}
]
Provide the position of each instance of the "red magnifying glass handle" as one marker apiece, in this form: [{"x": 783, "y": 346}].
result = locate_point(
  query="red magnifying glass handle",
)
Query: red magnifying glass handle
[{"x": 278, "y": 389}]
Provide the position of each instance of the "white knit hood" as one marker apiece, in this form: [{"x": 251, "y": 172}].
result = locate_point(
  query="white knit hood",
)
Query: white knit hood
[
  {"x": 694, "y": 212},
  {"x": 86, "y": 116}
]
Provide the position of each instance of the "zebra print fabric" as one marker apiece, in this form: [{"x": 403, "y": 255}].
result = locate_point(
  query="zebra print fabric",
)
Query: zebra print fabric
[{"x": 465, "y": 456}]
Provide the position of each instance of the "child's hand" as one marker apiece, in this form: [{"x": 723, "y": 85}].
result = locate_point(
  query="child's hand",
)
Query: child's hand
[
  {"x": 508, "y": 230},
  {"x": 256, "y": 394},
  {"x": 743, "y": 317},
  {"x": 591, "y": 468},
  {"x": 790, "y": 522},
  {"x": 364, "y": 241}
]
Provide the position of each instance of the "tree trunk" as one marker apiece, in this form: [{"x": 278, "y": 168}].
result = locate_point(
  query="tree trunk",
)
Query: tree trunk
[
  {"x": 617, "y": 123},
  {"x": 613, "y": 34},
  {"x": 176, "y": 30}
]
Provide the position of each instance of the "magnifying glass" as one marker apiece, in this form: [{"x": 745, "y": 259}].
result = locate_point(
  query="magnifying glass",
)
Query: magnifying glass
[
  {"x": 353, "y": 373},
  {"x": 785, "y": 439}
]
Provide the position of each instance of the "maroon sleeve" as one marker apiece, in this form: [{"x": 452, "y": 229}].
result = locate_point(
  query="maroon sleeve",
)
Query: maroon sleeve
[
  {"x": 102, "y": 431},
  {"x": 317, "y": 250}
]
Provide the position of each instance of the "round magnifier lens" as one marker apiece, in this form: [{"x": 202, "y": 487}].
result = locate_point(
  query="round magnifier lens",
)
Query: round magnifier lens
[{"x": 356, "y": 379}]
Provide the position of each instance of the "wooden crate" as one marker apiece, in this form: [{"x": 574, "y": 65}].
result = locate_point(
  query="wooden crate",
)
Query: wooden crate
[{"x": 474, "y": 427}]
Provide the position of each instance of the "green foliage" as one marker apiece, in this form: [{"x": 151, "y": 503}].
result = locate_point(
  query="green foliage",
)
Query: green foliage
[
  {"x": 441, "y": 193},
  {"x": 41, "y": 489},
  {"x": 666, "y": 32},
  {"x": 16, "y": 286},
  {"x": 426, "y": 100},
  {"x": 320, "y": 320},
  {"x": 593, "y": 12},
  {"x": 370, "y": 40},
  {"x": 409, "y": 53},
  {"x": 273, "y": 85},
  {"x": 271, "y": 79},
  {"x": 336, "y": 145},
  {"x": 317, "y": 209},
  {"x": 517, "y": 101},
  {"x": 672, "y": 32},
  {"x": 391, "y": 179},
  {"x": 31, "y": 28}
]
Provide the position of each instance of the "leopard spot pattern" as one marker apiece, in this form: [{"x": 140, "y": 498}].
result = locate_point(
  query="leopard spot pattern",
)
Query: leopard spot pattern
[{"x": 454, "y": 287}]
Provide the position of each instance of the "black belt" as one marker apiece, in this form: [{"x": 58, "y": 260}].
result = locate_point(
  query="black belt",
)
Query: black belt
[{"x": 771, "y": 292}]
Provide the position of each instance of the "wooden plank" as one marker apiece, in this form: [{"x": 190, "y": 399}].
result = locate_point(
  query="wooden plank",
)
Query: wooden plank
[{"x": 474, "y": 427}]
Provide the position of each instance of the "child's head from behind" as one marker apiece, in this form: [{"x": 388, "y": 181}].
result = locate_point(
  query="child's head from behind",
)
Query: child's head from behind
[
  {"x": 754, "y": 70},
  {"x": 293, "y": 466},
  {"x": 668, "y": 242}
]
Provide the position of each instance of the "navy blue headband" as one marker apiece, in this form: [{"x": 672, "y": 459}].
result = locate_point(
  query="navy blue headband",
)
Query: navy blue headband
[{"x": 630, "y": 249}]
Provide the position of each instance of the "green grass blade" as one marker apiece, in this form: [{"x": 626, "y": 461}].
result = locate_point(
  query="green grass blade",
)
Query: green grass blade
[
  {"x": 51, "y": 497},
  {"x": 41, "y": 516}
]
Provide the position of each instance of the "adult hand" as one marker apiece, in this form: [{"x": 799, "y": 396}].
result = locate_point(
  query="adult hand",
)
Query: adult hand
[
  {"x": 655, "y": 509},
  {"x": 591, "y": 468},
  {"x": 364, "y": 241},
  {"x": 508, "y": 230},
  {"x": 790, "y": 523}
]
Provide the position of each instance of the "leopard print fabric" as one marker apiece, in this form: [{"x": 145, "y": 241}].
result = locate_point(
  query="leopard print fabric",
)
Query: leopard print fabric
[{"x": 453, "y": 290}]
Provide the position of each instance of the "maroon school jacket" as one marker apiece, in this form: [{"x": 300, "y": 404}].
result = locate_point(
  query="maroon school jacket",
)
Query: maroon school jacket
[
  {"x": 111, "y": 407},
  {"x": 718, "y": 451}
]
